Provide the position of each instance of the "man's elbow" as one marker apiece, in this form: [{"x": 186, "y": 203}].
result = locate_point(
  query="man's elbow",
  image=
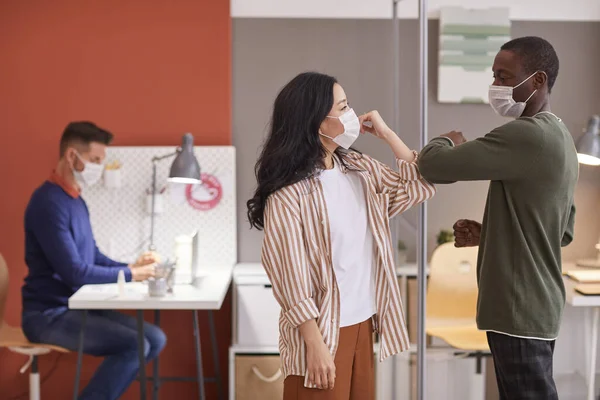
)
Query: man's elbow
[
  {"x": 76, "y": 277},
  {"x": 426, "y": 166},
  {"x": 431, "y": 171},
  {"x": 566, "y": 239},
  {"x": 75, "y": 281}
]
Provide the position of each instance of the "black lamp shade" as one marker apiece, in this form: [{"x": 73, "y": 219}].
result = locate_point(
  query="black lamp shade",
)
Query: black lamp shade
[
  {"x": 588, "y": 146},
  {"x": 185, "y": 167}
]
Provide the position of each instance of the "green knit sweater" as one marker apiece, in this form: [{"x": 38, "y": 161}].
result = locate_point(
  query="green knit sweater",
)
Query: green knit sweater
[{"x": 529, "y": 214}]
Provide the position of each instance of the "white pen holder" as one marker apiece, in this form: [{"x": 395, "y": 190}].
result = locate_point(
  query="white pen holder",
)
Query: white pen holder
[
  {"x": 183, "y": 254},
  {"x": 159, "y": 204},
  {"x": 113, "y": 178},
  {"x": 121, "y": 283}
]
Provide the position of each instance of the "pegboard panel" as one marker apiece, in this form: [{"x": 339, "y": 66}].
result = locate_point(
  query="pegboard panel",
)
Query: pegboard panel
[{"x": 120, "y": 215}]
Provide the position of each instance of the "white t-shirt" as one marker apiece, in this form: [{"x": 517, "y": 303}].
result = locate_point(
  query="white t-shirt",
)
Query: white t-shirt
[{"x": 351, "y": 244}]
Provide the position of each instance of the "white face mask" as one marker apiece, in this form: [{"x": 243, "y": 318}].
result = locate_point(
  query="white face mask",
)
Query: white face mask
[
  {"x": 351, "y": 129},
  {"x": 90, "y": 174},
  {"x": 501, "y": 100}
]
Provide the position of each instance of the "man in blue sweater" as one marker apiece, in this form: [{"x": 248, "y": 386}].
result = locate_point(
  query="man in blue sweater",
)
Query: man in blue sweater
[{"x": 62, "y": 256}]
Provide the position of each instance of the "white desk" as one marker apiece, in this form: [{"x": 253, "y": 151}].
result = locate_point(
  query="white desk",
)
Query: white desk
[
  {"x": 575, "y": 299},
  {"x": 409, "y": 270},
  {"x": 207, "y": 293}
]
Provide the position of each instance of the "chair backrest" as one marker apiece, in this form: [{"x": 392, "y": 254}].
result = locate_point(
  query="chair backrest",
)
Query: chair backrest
[
  {"x": 452, "y": 287},
  {"x": 3, "y": 288}
]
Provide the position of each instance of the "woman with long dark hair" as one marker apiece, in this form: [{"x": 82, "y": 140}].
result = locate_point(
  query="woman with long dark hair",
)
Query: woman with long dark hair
[{"x": 327, "y": 249}]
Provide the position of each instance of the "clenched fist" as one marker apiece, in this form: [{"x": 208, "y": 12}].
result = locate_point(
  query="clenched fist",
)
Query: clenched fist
[
  {"x": 466, "y": 233},
  {"x": 456, "y": 137}
]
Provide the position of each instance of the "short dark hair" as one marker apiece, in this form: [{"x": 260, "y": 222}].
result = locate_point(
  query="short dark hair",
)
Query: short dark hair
[
  {"x": 83, "y": 133},
  {"x": 537, "y": 54}
]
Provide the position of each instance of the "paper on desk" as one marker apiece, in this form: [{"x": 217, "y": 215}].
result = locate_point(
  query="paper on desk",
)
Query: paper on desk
[
  {"x": 584, "y": 276},
  {"x": 588, "y": 289},
  {"x": 103, "y": 288},
  {"x": 112, "y": 290}
]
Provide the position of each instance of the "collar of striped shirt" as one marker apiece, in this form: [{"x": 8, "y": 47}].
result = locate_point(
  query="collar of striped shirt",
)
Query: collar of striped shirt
[{"x": 296, "y": 255}]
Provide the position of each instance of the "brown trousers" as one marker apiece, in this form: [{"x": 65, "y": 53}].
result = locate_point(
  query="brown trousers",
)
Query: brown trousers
[{"x": 354, "y": 369}]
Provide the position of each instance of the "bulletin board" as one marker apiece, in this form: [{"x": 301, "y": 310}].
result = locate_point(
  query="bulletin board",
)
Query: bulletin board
[
  {"x": 120, "y": 215},
  {"x": 469, "y": 41}
]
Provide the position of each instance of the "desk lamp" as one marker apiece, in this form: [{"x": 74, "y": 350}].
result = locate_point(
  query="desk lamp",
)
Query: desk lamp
[
  {"x": 588, "y": 152},
  {"x": 588, "y": 146},
  {"x": 185, "y": 169}
]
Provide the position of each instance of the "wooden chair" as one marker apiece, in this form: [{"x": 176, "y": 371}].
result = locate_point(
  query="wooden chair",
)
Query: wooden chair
[
  {"x": 452, "y": 305},
  {"x": 14, "y": 340}
]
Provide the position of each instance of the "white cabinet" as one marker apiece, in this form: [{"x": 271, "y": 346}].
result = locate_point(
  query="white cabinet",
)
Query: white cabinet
[
  {"x": 257, "y": 315},
  {"x": 254, "y": 353}
]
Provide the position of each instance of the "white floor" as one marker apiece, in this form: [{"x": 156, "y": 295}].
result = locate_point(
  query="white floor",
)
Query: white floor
[
  {"x": 571, "y": 387},
  {"x": 452, "y": 380}
]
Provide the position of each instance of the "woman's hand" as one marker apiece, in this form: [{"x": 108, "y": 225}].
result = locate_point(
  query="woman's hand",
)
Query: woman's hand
[
  {"x": 320, "y": 365},
  {"x": 375, "y": 125}
]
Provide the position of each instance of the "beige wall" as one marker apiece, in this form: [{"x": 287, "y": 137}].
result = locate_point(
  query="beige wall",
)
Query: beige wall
[{"x": 268, "y": 53}]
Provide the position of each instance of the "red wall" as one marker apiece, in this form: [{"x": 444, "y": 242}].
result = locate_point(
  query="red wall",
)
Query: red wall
[{"x": 147, "y": 70}]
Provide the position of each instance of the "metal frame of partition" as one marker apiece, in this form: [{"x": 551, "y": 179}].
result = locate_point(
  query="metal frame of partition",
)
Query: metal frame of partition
[
  {"x": 422, "y": 242},
  {"x": 422, "y": 220}
]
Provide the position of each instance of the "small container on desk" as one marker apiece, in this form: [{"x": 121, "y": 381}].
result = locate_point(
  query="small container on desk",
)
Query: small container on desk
[
  {"x": 164, "y": 280},
  {"x": 157, "y": 287},
  {"x": 113, "y": 176}
]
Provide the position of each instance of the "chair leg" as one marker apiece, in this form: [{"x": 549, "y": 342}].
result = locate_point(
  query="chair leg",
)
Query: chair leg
[
  {"x": 478, "y": 383},
  {"x": 34, "y": 380}
]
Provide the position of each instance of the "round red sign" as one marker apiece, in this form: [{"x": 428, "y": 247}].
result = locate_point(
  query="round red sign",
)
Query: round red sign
[{"x": 205, "y": 196}]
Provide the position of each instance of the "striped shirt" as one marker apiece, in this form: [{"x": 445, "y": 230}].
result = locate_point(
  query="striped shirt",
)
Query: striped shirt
[{"x": 296, "y": 255}]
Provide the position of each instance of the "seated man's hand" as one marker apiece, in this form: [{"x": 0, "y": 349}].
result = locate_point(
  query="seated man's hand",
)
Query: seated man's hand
[
  {"x": 147, "y": 258},
  {"x": 141, "y": 273},
  {"x": 456, "y": 137},
  {"x": 466, "y": 233}
]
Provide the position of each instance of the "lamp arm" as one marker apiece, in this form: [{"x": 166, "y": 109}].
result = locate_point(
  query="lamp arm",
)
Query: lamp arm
[
  {"x": 156, "y": 159},
  {"x": 151, "y": 246}
]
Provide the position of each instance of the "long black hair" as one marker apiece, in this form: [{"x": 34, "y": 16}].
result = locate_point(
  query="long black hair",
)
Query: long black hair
[{"x": 293, "y": 150}]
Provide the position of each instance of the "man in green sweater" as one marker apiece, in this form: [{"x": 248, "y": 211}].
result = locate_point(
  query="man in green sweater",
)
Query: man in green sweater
[{"x": 531, "y": 163}]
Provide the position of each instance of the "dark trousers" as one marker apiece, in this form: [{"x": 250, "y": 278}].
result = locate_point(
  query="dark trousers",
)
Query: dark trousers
[
  {"x": 523, "y": 367},
  {"x": 109, "y": 334}
]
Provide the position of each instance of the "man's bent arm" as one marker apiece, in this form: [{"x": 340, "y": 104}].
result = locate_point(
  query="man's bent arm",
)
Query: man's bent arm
[{"x": 506, "y": 153}]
